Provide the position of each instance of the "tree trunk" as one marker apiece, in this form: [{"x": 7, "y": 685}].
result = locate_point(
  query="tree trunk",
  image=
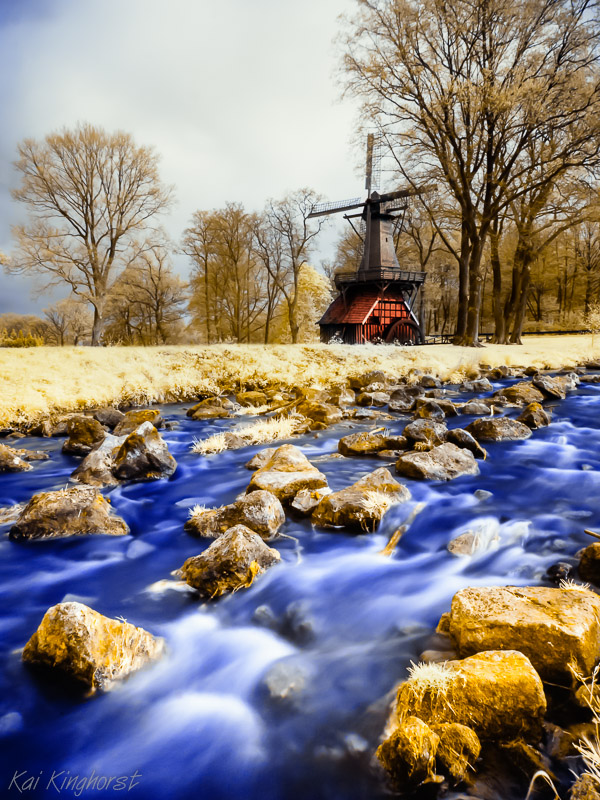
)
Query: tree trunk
[
  {"x": 463, "y": 284},
  {"x": 499, "y": 326},
  {"x": 97, "y": 328}
]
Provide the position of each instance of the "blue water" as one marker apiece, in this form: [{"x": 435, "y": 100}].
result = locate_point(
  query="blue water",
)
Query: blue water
[{"x": 341, "y": 621}]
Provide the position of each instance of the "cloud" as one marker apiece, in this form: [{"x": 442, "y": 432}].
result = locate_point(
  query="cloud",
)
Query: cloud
[{"x": 239, "y": 98}]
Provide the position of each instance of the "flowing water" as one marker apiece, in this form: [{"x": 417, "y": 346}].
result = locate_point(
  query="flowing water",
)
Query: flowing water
[{"x": 280, "y": 691}]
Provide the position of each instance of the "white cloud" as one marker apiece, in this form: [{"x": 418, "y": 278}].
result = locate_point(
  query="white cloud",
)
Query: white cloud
[{"x": 238, "y": 97}]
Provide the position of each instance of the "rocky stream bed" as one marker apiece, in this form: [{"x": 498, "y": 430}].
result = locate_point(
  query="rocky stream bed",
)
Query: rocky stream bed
[{"x": 242, "y": 624}]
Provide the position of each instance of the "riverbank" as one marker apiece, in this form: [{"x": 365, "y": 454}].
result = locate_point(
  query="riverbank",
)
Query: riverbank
[{"x": 42, "y": 381}]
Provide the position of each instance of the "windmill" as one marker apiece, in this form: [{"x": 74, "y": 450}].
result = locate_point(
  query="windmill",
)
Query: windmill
[{"x": 376, "y": 303}]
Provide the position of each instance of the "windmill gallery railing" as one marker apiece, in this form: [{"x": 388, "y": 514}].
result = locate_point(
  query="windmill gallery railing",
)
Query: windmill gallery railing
[{"x": 382, "y": 274}]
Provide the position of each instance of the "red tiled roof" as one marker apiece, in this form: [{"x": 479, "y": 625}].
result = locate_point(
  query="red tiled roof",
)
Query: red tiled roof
[{"x": 355, "y": 310}]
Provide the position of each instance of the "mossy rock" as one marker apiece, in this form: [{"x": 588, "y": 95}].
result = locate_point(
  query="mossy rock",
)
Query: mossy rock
[
  {"x": 523, "y": 392},
  {"x": 498, "y": 429},
  {"x": 534, "y": 416},
  {"x": 75, "y": 511},
  {"x": 90, "y": 648},
  {"x": 144, "y": 456},
  {"x": 260, "y": 511},
  {"x": 443, "y": 463},
  {"x": 458, "y": 750},
  {"x": 85, "y": 433},
  {"x": 408, "y": 754},
  {"x": 133, "y": 420},
  {"x": 496, "y": 693}
]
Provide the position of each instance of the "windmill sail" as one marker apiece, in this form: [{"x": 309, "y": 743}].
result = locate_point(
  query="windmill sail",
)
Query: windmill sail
[{"x": 320, "y": 209}]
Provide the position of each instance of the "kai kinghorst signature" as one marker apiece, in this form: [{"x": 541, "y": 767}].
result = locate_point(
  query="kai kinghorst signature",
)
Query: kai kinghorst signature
[{"x": 61, "y": 781}]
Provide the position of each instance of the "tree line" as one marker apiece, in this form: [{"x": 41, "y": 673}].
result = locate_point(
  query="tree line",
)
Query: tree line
[{"x": 495, "y": 103}]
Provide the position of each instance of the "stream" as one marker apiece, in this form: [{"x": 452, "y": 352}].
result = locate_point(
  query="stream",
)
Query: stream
[{"x": 280, "y": 691}]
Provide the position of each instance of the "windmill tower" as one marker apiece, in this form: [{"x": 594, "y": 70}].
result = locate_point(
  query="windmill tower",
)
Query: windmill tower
[{"x": 377, "y": 302}]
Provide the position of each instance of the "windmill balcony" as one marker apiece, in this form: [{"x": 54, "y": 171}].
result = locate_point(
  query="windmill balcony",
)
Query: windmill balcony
[{"x": 383, "y": 274}]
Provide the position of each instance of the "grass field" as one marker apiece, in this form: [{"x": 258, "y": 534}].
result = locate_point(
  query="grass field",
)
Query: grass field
[{"x": 42, "y": 381}]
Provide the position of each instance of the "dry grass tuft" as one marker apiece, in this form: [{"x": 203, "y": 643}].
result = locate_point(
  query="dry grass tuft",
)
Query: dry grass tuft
[
  {"x": 430, "y": 677},
  {"x": 379, "y": 501},
  {"x": 572, "y": 586},
  {"x": 261, "y": 432}
]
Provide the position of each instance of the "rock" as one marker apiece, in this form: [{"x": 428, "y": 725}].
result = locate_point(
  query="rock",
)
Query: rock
[
  {"x": 367, "y": 443},
  {"x": 553, "y": 627},
  {"x": 402, "y": 406},
  {"x": 375, "y": 376},
  {"x": 360, "y": 507},
  {"x": 498, "y": 429},
  {"x": 84, "y": 434},
  {"x": 589, "y": 564},
  {"x": 447, "y": 406},
  {"x": 285, "y": 683},
  {"x": 259, "y": 459},
  {"x": 444, "y": 463},
  {"x": 534, "y": 416},
  {"x": 482, "y": 495},
  {"x": 320, "y": 412},
  {"x": 462, "y": 438},
  {"x": 10, "y": 460},
  {"x": 427, "y": 409},
  {"x": 286, "y": 473},
  {"x": 550, "y": 387},
  {"x": 305, "y": 502},
  {"x": 109, "y": 416},
  {"x": 144, "y": 456},
  {"x": 475, "y": 408},
  {"x": 230, "y": 563},
  {"x": 260, "y": 511},
  {"x": 90, "y": 648},
  {"x": 133, "y": 420},
  {"x": 496, "y": 693},
  {"x": 43, "y": 428},
  {"x": 478, "y": 385},
  {"x": 523, "y": 392},
  {"x": 474, "y": 542},
  {"x": 430, "y": 382},
  {"x": 585, "y": 788},
  {"x": 341, "y": 396},
  {"x": 209, "y": 412},
  {"x": 558, "y": 572},
  {"x": 426, "y": 430},
  {"x": 458, "y": 749},
  {"x": 67, "y": 512},
  {"x": 408, "y": 755},
  {"x": 373, "y": 399},
  {"x": 499, "y": 372},
  {"x": 251, "y": 399},
  {"x": 96, "y": 469}
]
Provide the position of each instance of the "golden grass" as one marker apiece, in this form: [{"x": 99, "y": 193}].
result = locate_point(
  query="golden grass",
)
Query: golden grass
[{"x": 42, "y": 381}]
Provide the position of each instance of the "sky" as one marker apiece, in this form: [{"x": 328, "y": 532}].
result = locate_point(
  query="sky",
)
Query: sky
[{"x": 241, "y": 99}]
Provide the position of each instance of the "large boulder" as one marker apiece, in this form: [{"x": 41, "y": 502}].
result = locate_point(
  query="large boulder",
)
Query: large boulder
[
  {"x": 444, "y": 463},
  {"x": 67, "y": 512},
  {"x": 369, "y": 399},
  {"x": 17, "y": 460},
  {"x": 367, "y": 443},
  {"x": 254, "y": 399},
  {"x": 368, "y": 379},
  {"x": 496, "y": 693},
  {"x": 320, "y": 412},
  {"x": 84, "y": 434},
  {"x": 133, "y": 420},
  {"x": 462, "y": 438},
  {"x": 534, "y": 416},
  {"x": 428, "y": 431},
  {"x": 361, "y": 506},
  {"x": 342, "y": 396},
  {"x": 109, "y": 416},
  {"x": 260, "y": 511},
  {"x": 286, "y": 473},
  {"x": 90, "y": 648},
  {"x": 550, "y": 387},
  {"x": 144, "y": 456},
  {"x": 259, "y": 459},
  {"x": 425, "y": 408},
  {"x": 96, "y": 469},
  {"x": 522, "y": 393},
  {"x": 230, "y": 563},
  {"x": 408, "y": 754},
  {"x": 475, "y": 408},
  {"x": 555, "y": 628},
  {"x": 498, "y": 429}
]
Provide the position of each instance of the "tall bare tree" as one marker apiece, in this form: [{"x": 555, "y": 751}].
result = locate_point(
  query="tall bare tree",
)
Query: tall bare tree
[
  {"x": 461, "y": 90},
  {"x": 91, "y": 195}
]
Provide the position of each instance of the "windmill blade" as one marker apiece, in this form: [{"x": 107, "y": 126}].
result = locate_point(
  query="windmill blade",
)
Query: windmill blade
[
  {"x": 394, "y": 205},
  {"x": 369, "y": 167},
  {"x": 321, "y": 209},
  {"x": 388, "y": 196}
]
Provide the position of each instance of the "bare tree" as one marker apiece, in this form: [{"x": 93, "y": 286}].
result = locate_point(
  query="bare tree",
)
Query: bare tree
[
  {"x": 463, "y": 90},
  {"x": 68, "y": 321},
  {"x": 289, "y": 224},
  {"x": 91, "y": 195},
  {"x": 147, "y": 300}
]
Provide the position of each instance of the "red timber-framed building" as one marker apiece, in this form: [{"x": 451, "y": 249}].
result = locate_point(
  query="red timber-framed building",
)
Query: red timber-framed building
[{"x": 379, "y": 301}]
